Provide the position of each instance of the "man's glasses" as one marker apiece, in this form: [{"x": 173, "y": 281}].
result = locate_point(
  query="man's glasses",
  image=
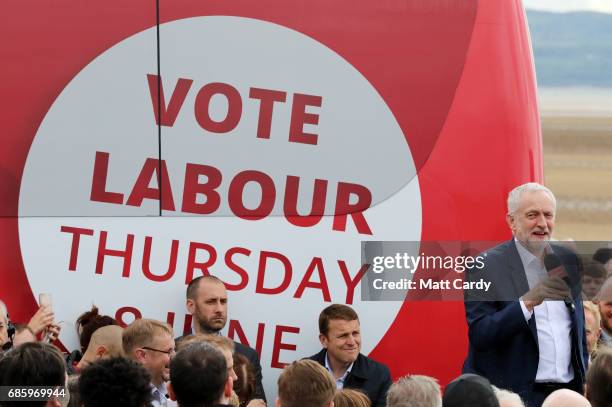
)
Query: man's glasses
[{"x": 167, "y": 352}]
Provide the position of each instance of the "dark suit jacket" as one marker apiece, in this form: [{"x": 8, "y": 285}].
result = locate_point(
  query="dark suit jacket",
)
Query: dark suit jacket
[
  {"x": 503, "y": 346},
  {"x": 368, "y": 375},
  {"x": 253, "y": 357}
]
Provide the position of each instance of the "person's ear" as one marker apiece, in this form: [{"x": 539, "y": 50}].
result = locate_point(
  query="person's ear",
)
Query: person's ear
[
  {"x": 140, "y": 354},
  {"x": 191, "y": 306},
  {"x": 510, "y": 221},
  {"x": 323, "y": 340},
  {"x": 171, "y": 391},
  {"x": 229, "y": 385},
  {"x": 53, "y": 402},
  {"x": 277, "y": 403},
  {"x": 101, "y": 351}
]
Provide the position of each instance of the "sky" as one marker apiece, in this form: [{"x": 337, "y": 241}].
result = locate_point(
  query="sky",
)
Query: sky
[{"x": 603, "y": 6}]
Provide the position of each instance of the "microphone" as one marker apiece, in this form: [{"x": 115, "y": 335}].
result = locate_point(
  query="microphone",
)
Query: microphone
[{"x": 555, "y": 268}]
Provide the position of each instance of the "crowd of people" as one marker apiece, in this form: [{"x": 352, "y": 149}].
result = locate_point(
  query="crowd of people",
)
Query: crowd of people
[
  {"x": 530, "y": 351},
  {"x": 143, "y": 365}
]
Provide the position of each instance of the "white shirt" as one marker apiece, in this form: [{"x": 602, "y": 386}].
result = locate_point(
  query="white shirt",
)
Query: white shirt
[
  {"x": 339, "y": 381},
  {"x": 553, "y": 323},
  {"x": 159, "y": 395}
]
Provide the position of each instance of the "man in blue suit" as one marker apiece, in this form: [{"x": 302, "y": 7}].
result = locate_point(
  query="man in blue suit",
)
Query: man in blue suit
[{"x": 527, "y": 334}]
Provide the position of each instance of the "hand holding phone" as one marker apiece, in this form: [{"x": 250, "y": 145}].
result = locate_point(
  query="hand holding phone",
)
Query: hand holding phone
[{"x": 45, "y": 300}]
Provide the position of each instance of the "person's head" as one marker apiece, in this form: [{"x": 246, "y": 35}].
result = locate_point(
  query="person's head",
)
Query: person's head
[
  {"x": 565, "y": 398},
  {"x": 245, "y": 384},
  {"x": 592, "y": 324},
  {"x": 593, "y": 277},
  {"x": 116, "y": 382},
  {"x": 150, "y": 343},
  {"x": 224, "y": 344},
  {"x": 4, "y": 327},
  {"x": 351, "y": 398},
  {"x": 531, "y": 215},
  {"x": 469, "y": 390},
  {"x": 508, "y": 398},
  {"x": 604, "y": 257},
  {"x": 599, "y": 379},
  {"x": 199, "y": 377},
  {"x": 89, "y": 322},
  {"x": 207, "y": 302},
  {"x": 33, "y": 364},
  {"x": 340, "y": 334},
  {"x": 414, "y": 391},
  {"x": 305, "y": 383},
  {"x": 105, "y": 342},
  {"x": 604, "y": 299}
]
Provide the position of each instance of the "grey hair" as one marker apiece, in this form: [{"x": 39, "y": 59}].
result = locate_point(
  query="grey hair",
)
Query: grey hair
[
  {"x": 415, "y": 391},
  {"x": 3, "y": 310},
  {"x": 507, "y": 395},
  {"x": 605, "y": 291},
  {"x": 515, "y": 195}
]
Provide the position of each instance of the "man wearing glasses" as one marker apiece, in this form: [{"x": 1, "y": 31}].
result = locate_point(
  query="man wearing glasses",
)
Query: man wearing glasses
[{"x": 151, "y": 343}]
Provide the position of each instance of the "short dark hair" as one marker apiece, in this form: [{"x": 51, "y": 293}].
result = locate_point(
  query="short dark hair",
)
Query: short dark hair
[
  {"x": 595, "y": 270},
  {"x": 32, "y": 364},
  {"x": 469, "y": 390},
  {"x": 603, "y": 255},
  {"x": 198, "y": 374},
  {"x": 599, "y": 379},
  {"x": 195, "y": 283},
  {"x": 305, "y": 383},
  {"x": 335, "y": 311},
  {"x": 115, "y": 382}
]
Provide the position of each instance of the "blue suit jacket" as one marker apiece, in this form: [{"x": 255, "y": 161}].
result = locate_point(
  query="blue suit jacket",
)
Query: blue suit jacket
[{"x": 503, "y": 346}]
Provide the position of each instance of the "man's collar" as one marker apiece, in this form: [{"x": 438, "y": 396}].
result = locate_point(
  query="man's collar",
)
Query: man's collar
[
  {"x": 328, "y": 367},
  {"x": 526, "y": 256},
  {"x": 161, "y": 389}
]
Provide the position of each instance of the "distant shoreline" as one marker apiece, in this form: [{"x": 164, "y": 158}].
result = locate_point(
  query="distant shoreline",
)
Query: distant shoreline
[{"x": 575, "y": 101}]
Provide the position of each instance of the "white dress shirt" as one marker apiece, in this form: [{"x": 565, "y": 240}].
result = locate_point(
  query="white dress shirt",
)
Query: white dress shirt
[
  {"x": 339, "y": 381},
  {"x": 159, "y": 395},
  {"x": 553, "y": 323}
]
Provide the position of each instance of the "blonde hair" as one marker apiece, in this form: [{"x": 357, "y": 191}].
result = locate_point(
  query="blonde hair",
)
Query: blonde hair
[
  {"x": 305, "y": 383},
  {"x": 351, "y": 398},
  {"x": 218, "y": 341},
  {"x": 141, "y": 333},
  {"x": 589, "y": 306},
  {"x": 507, "y": 395}
]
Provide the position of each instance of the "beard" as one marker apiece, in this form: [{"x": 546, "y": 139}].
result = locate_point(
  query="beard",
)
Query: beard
[{"x": 210, "y": 327}]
